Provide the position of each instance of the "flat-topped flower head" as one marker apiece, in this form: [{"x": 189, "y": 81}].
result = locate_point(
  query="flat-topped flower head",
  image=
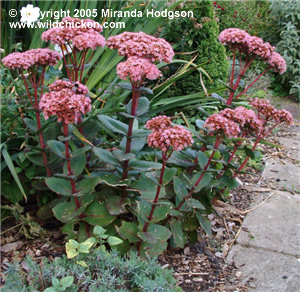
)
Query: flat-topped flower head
[
  {"x": 17, "y": 61},
  {"x": 221, "y": 125},
  {"x": 277, "y": 63},
  {"x": 258, "y": 47},
  {"x": 264, "y": 107},
  {"x": 246, "y": 118},
  {"x": 159, "y": 123},
  {"x": 284, "y": 116},
  {"x": 31, "y": 58},
  {"x": 175, "y": 137},
  {"x": 80, "y": 33},
  {"x": 65, "y": 103},
  {"x": 137, "y": 69},
  {"x": 141, "y": 45},
  {"x": 76, "y": 87},
  {"x": 234, "y": 37}
]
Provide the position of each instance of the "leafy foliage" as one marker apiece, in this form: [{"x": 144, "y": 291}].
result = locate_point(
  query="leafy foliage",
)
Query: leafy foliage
[
  {"x": 106, "y": 271},
  {"x": 285, "y": 18},
  {"x": 198, "y": 35}
]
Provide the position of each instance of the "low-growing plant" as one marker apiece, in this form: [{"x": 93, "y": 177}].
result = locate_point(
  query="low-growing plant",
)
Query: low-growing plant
[{"x": 105, "y": 272}]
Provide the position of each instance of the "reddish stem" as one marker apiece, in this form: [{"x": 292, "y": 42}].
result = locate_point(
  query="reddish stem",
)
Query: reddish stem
[
  {"x": 255, "y": 80},
  {"x": 68, "y": 160},
  {"x": 232, "y": 70},
  {"x": 134, "y": 103},
  {"x": 66, "y": 63},
  {"x": 217, "y": 144},
  {"x": 154, "y": 203}
]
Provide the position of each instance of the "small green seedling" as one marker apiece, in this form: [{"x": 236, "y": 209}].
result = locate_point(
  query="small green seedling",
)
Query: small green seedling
[{"x": 60, "y": 285}]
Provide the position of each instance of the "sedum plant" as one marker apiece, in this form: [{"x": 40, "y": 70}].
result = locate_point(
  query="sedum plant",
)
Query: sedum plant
[
  {"x": 150, "y": 184},
  {"x": 245, "y": 50}
]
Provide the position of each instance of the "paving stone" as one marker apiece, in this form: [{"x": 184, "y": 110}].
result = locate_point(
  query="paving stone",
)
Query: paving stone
[
  {"x": 283, "y": 174},
  {"x": 272, "y": 272},
  {"x": 292, "y": 145},
  {"x": 275, "y": 225}
]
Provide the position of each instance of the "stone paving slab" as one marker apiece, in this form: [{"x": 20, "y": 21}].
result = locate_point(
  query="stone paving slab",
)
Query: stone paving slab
[
  {"x": 275, "y": 225},
  {"x": 283, "y": 174},
  {"x": 293, "y": 145},
  {"x": 272, "y": 272}
]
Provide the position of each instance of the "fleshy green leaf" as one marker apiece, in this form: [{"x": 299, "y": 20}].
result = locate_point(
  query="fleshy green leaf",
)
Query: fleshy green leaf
[
  {"x": 66, "y": 211},
  {"x": 205, "y": 223},
  {"x": 142, "y": 108},
  {"x": 113, "y": 125},
  {"x": 177, "y": 233},
  {"x": 144, "y": 165},
  {"x": 31, "y": 124},
  {"x": 106, "y": 156},
  {"x": 59, "y": 185},
  {"x": 128, "y": 231},
  {"x": 202, "y": 159},
  {"x": 57, "y": 147},
  {"x": 97, "y": 214}
]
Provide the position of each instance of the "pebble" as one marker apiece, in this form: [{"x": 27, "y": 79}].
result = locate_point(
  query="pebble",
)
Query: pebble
[
  {"x": 198, "y": 279},
  {"x": 238, "y": 274}
]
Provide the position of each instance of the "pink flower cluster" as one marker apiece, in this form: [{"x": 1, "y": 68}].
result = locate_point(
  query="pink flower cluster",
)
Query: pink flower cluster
[
  {"x": 246, "y": 118},
  {"x": 158, "y": 123},
  {"x": 175, "y": 137},
  {"x": 258, "y": 47},
  {"x": 31, "y": 58},
  {"x": 65, "y": 100},
  {"x": 221, "y": 125},
  {"x": 60, "y": 85},
  {"x": 137, "y": 69},
  {"x": 82, "y": 33},
  {"x": 277, "y": 63},
  {"x": 284, "y": 116},
  {"x": 141, "y": 45},
  {"x": 264, "y": 107},
  {"x": 241, "y": 40},
  {"x": 166, "y": 136},
  {"x": 234, "y": 37}
]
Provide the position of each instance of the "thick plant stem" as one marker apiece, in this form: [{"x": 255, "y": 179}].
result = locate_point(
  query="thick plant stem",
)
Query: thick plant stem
[
  {"x": 251, "y": 84},
  {"x": 134, "y": 104},
  {"x": 232, "y": 70},
  {"x": 242, "y": 73},
  {"x": 217, "y": 144},
  {"x": 155, "y": 199},
  {"x": 261, "y": 136},
  {"x": 35, "y": 106},
  {"x": 68, "y": 161}
]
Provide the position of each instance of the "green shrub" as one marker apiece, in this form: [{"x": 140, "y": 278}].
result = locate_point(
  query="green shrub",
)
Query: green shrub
[
  {"x": 285, "y": 17},
  {"x": 105, "y": 272},
  {"x": 199, "y": 34}
]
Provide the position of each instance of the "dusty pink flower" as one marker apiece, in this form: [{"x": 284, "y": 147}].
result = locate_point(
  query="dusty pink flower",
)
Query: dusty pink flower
[
  {"x": 76, "y": 87},
  {"x": 277, "y": 63},
  {"x": 88, "y": 40},
  {"x": 175, "y": 137},
  {"x": 246, "y": 118},
  {"x": 85, "y": 33},
  {"x": 17, "y": 61},
  {"x": 284, "y": 116},
  {"x": 31, "y": 58},
  {"x": 264, "y": 108},
  {"x": 234, "y": 37},
  {"x": 141, "y": 45},
  {"x": 222, "y": 126},
  {"x": 159, "y": 123},
  {"x": 137, "y": 69},
  {"x": 66, "y": 100},
  {"x": 258, "y": 47}
]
